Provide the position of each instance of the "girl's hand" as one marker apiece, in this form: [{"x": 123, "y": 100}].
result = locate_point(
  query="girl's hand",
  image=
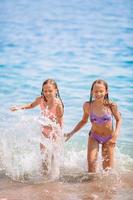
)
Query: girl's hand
[
  {"x": 67, "y": 136},
  {"x": 14, "y": 108},
  {"x": 113, "y": 139}
]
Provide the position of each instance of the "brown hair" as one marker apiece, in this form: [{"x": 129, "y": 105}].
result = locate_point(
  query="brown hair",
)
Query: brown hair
[
  {"x": 106, "y": 97},
  {"x": 51, "y": 82}
]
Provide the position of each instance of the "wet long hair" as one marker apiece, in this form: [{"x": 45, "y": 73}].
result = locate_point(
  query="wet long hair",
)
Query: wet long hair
[
  {"x": 51, "y": 82},
  {"x": 106, "y": 97}
]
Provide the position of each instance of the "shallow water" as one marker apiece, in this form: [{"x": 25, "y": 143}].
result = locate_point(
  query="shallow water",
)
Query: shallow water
[
  {"x": 73, "y": 42},
  {"x": 93, "y": 188}
]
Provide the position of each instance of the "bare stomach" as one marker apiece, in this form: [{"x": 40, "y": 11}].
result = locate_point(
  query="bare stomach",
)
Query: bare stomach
[
  {"x": 47, "y": 131},
  {"x": 102, "y": 130}
]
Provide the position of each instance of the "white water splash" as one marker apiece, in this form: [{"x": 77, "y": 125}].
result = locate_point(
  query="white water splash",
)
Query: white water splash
[{"x": 20, "y": 155}]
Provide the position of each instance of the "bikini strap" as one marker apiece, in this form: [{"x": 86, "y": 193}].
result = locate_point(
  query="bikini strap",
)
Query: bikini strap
[
  {"x": 91, "y": 107},
  {"x": 42, "y": 104}
]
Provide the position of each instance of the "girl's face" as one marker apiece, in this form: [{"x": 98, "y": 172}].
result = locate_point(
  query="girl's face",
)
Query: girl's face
[
  {"x": 49, "y": 91},
  {"x": 99, "y": 91}
]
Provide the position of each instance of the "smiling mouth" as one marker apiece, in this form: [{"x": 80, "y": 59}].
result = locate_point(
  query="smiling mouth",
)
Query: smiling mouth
[
  {"x": 99, "y": 97},
  {"x": 48, "y": 96}
]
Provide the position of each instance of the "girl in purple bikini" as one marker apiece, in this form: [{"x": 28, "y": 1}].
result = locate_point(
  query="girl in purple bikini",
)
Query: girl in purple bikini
[{"x": 101, "y": 112}]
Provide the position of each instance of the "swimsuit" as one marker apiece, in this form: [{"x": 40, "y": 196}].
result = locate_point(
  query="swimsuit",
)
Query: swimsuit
[
  {"x": 100, "y": 139},
  {"x": 100, "y": 120},
  {"x": 48, "y": 121},
  {"x": 51, "y": 139}
]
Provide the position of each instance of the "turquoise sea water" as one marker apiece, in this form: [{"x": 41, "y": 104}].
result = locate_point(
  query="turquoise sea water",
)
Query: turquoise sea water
[{"x": 73, "y": 42}]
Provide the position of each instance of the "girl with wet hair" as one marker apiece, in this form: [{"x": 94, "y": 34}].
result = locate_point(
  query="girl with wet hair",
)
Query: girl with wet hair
[
  {"x": 52, "y": 108},
  {"x": 101, "y": 112}
]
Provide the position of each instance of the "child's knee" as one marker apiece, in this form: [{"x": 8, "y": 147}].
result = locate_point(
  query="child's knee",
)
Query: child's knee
[{"x": 92, "y": 160}]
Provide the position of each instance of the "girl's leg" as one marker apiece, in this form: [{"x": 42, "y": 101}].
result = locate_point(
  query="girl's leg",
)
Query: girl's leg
[
  {"x": 55, "y": 165},
  {"x": 42, "y": 148},
  {"x": 45, "y": 164},
  {"x": 92, "y": 154},
  {"x": 108, "y": 155}
]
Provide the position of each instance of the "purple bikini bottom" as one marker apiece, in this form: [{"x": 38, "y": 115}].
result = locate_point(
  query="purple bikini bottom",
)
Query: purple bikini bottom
[{"x": 99, "y": 138}]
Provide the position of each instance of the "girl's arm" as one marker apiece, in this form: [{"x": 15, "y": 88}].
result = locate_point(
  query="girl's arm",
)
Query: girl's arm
[
  {"x": 81, "y": 123},
  {"x": 27, "y": 106},
  {"x": 117, "y": 116},
  {"x": 59, "y": 113}
]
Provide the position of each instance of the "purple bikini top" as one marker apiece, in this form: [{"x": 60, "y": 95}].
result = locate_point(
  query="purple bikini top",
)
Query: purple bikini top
[{"x": 100, "y": 119}]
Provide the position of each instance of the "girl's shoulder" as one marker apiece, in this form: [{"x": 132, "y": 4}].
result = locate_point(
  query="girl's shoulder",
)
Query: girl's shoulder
[
  {"x": 59, "y": 108},
  {"x": 113, "y": 106},
  {"x": 58, "y": 104},
  {"x": 87, "y": 105},
  {"x": 39, "y": 99}
]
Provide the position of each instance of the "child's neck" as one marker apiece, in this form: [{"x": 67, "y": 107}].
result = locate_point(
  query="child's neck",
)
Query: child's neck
[
  {"x": 50, "y": 102},
  {"x": 99, "y": 102}
]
